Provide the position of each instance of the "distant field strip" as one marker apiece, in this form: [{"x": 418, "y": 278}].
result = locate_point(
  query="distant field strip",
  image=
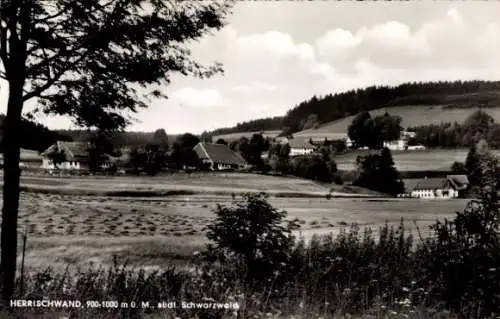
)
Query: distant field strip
[
  {"x": 428, "y": 160},
  {"x": 185, "y": 184}
]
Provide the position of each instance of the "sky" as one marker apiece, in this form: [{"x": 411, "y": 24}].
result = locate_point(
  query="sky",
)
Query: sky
[{"x": 277, "y": 54}]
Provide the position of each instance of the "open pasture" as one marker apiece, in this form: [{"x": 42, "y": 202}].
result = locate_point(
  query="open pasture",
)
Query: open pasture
[
  {"x": 428, "y": 160},
  {"x": 180, "y": 183},
  {"x": 75, "y": 230}
]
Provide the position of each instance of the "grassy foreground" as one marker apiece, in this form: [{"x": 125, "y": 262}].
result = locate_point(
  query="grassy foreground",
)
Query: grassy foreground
[{"x": 353, "y": 274}]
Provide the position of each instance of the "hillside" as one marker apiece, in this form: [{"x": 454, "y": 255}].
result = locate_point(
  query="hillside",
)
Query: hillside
[
  {"x": 412, "y": 115},
  {"x": 449, "y": 101}
]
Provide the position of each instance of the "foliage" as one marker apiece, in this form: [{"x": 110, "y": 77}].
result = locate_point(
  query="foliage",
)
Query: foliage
[
  {"x": 160, "y": 139},
  {"x": 463, "y": 264},
  {"x": 221, "y": 141},
  {"x": 183, "y": 153},
  {"x": 57, "y": 156},
  {"x": 251, "y": 236},
  {"x": 479, "y": 125},
  {"x": 373, "y": 132},
  {"x": 151, "y": 159},
  {"x": 85, "y": 60},
  {"x": 252, "y": 149},
  {"x": 377, "y": 172},
  {"x": 458, "y": 168},
  {"x": 279, "y": 158},
  {"x": 315, "y": 167},
  {"x": 35, "y": 136}
]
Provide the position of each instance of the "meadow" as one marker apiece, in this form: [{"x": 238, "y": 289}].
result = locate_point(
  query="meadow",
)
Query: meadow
[
  {"x": 153, "y": 232},
  {"x": 427, "y": 160},
  {"x": 67, "y": 229},
  {"x": 411, "y": 116}
]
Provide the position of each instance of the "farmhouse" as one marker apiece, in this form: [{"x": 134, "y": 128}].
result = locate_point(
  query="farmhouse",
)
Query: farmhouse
[
  {"x": 437, "y": 188},
  {"x": 400, "y": 144},
  {"x": 75, "y": 156},
  {"x": 219, "y": 156},
  {"x": 300, "y": 146}
]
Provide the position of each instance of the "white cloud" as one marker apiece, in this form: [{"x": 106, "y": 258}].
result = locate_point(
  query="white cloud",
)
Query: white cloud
[
  {"x": 273, "y": 65},
  {"x": 195, "y": 98}
]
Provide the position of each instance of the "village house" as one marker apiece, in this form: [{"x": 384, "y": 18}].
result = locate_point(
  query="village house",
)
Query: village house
[
  {"x": 300, "y": 146},
  {"x": 452, "y": 186},
  {"x": 75, "y": 156},
  {"x": 219, "y": 157},
  {"x": 401, "y": 144}
]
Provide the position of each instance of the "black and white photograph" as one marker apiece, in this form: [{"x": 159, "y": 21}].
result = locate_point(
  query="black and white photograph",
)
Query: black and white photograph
[{"x": 249, "y": 159}]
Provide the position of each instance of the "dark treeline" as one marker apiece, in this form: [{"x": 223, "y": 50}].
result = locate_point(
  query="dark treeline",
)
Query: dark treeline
[
  {"x": 266, "y": 124},
  {"x": 323, "y": 109},
  {"x": 131, "y": 139},
  {"x": 477, "y": 126},
  {"x": 36, "y": 136}
]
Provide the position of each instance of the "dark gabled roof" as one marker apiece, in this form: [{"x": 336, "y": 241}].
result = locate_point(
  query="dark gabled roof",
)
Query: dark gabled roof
[
  {"x": 72, "y": 150},
  {"x": 431, "y": 183},
  {"x": 218, "y": 153},
  {"x": 300, "y": 143}
]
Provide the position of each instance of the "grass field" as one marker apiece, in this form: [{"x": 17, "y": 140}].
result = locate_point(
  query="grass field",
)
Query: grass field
[
  {"x": 196, "y": 183},
  {"x": 429, "y": 160},
  {"x": 75, "y": 230},
  {"x": 411, "y": 115}
]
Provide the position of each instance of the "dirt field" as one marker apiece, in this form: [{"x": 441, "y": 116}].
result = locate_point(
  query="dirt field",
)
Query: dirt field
[{"x": 78, "y": 230}]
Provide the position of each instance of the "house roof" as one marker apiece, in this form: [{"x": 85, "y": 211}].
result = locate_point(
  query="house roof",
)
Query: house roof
[
  {"x": 300, "y": 143},
  {"x": 431, "y": 183},
  {"x": 460, "y": 182},
  {"x": 218, "y": 153},
  {"x": 72, "y": 150}
]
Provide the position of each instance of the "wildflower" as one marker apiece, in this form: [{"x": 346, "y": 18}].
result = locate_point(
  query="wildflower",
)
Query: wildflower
[
  {"x": 394, "y": 313},
  {"x": 405, "y": 289},
  {"x": 413, "y": 282}
]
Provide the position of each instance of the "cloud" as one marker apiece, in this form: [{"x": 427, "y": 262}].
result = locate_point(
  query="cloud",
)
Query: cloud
[
  {"x": 273, "y": 65},
  {"x": 197, "y": 98}
]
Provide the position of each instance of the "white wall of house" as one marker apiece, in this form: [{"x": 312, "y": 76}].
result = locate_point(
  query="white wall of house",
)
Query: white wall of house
[
  {"x": 416, "y": 148},
  {"x": 48, "y": 164},
  {"x": 221, "y": 167},
  {"x": 300, "y": 151},
  {"x": 398, "y": 145},
  {"x": 435, "y": 194}
]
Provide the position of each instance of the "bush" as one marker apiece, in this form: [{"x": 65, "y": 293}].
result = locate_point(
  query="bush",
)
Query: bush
[{"x": 250, "y": 238}]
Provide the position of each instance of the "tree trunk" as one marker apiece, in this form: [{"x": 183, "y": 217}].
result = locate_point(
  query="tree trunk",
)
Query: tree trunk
[{"x": 11, "y": 190}]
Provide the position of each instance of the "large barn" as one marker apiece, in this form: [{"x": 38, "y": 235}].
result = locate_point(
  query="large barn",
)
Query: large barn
[
  {"x": 75, "y": 156},
  {"x": 219, "y": 157},
  {"x": 437, "y": 188},
  {"x": 300, "y": 146}
]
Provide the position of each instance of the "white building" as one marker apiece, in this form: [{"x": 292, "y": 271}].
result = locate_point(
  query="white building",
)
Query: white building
[
  {"x": 437, "y": 188},
  {"x": 300, "y": 146},
  {"x": 75, "y": 156},
  {"x": 400, "y": 144}
]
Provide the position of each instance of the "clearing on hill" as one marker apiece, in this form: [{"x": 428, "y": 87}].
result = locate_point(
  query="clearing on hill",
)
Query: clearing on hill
[{"x": 411, "y": 115}]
